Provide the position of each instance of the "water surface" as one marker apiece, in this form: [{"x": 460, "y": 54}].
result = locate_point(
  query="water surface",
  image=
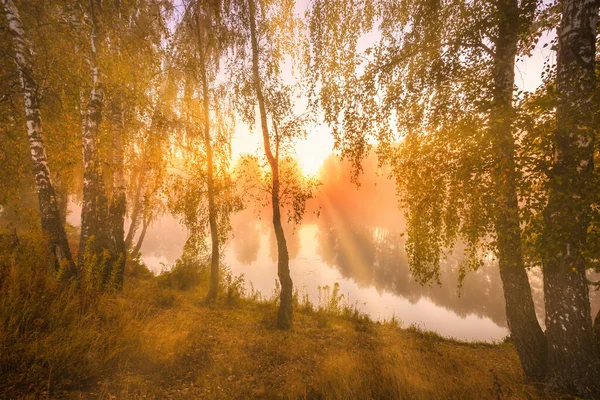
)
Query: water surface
[{"x": 356, "y": 241}]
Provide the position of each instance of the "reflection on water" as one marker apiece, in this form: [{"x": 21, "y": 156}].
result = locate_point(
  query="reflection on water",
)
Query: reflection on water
[
  {"x": 376, "y": 257},
  {"x": 356, "y": 241},
  {"x": 373, "y": 276}
]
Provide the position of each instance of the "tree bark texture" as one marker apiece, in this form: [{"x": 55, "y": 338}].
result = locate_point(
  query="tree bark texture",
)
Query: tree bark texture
[
  {"x": 573, "y": 364},
  {"x": 212, "y": 211},
  {"x": 138, "y": 202},
  {"x": 51, "y": 221},
  {"x": 140, "y": 241},
  {"x": 118, "y": 204},
  {"x": 526, "y": 333},
  {"x": 94, "y": 211},
  {"x": 284, "y": 315}
]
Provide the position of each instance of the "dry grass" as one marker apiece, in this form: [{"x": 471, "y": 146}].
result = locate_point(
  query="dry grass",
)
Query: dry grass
[
  {"x": 153, "y": 341},
  {"x": 187, "y": 350}
]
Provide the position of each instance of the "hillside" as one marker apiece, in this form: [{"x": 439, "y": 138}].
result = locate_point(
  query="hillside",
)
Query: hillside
[{"x": 153, "y": 341}]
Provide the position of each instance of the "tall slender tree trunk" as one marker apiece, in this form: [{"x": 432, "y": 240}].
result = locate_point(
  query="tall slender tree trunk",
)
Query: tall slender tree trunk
[
  {"x": 526, "y": 333},
  {"x": 118, "y": 204},
  {"x": 212, "y": 211},
  {"x": 51, "y": 221},
  {"x": 94, "y": 230},
  {"x": 62, "y": 198},
  {"x": 597, "y": 332},
  {"x": 284, "y": 316},
  {"x": 136, "y": 249},
  {"x": 143, "y": 196},
  {"x": 573, "y": 364},
  {"x": 138, "y": 203}
]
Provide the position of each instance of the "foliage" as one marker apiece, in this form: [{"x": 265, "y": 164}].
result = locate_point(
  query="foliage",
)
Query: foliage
[
  {"x": 178, "y": 76},
  {"x": 189, "y": 271},
  {"x": 100, "y": 272},
  {"x": 424, "y": 93},
  {"x": 538, "y": 121},
  {"x": 234, "y": 288},
  {"x": 254, "y": 183}
]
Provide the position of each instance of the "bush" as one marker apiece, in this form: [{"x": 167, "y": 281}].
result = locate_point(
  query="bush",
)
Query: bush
[
  {"x": 234, "y": 288},
  {"x": 330, "y": 300},
  {"x": 187, "y": 273},
  {"x": 135, "y": 268},
  {"x": 49, "y": 330}
]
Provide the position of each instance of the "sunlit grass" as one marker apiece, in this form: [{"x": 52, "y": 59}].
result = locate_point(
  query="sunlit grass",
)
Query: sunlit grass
[{"x": 158, "y": 341}]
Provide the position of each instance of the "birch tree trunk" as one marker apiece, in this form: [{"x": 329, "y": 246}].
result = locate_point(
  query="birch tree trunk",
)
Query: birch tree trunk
[
  {"x": 94, "y": 217},
  {"x": 284, "y": 315},
  {"x": 573, "y": 364},
  {"x": 525, "y": 330},
  {"x": 140, "y": 240},
  {"x": 597, "y": 332},
  {"x": 51, "y": 221},
  {"x": 138, "y": 204},
  {"x": 118, "y": 205},
  {"x": 212, "y": 211}
]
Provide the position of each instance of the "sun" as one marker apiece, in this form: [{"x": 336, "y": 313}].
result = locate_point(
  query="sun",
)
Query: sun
[
  {"x": 309, "y": 163},
  {"x": 312, "y": 151}
]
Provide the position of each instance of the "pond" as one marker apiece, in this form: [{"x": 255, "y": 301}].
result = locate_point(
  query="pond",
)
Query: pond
[{"x": 356, "y": 241}]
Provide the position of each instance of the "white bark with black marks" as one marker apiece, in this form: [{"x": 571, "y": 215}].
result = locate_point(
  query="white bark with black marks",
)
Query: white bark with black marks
[
  {"x": 94, "y": 210},
  {"x": 51, "y": 220}
]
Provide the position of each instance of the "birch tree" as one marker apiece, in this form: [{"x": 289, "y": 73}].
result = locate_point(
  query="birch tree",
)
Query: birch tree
[
  {"x": 200, "y": 42},
  {"x": 135, "y": 35},
  {"x": 51, "y": 221},
  {"x": 118, "y": 203},
  {"x": 266, "y": 33},
  {"x": 94, "y": 238},
  {"x": 124, "y": 56},
  {"x": 436, "y": 91},
  {"x": 514, "y": 22},
  {"x": 210, "y": 40},
  {"x": 573, "y": 364},
  {"x": 148, "y": 156}
]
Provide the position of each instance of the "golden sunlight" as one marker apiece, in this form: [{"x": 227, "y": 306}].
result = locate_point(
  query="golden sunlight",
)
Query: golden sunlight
[
  {"x": 299, "y": 198},
  {"x": 312, "y": 151}
]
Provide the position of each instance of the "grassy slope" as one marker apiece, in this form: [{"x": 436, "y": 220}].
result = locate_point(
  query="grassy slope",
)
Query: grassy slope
[{"x": 160, "y": 343}]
